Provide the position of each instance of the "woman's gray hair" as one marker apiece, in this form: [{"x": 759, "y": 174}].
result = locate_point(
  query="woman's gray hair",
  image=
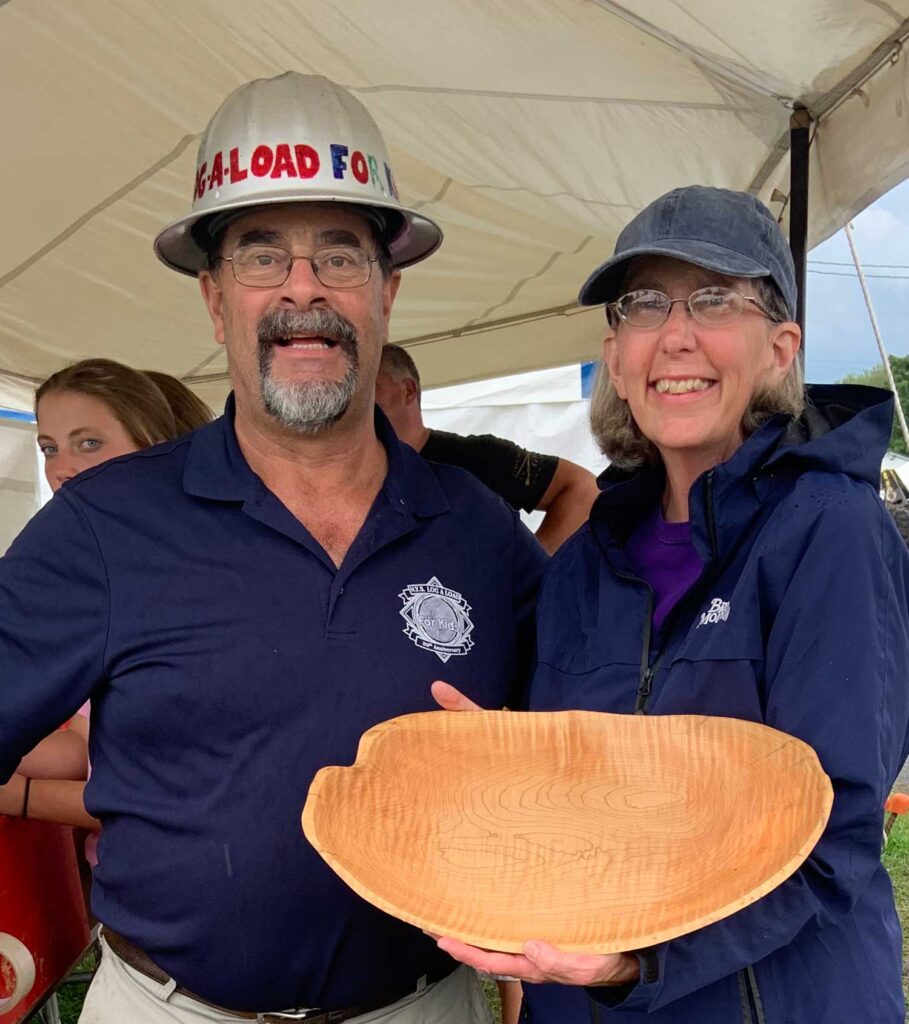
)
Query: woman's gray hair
[{"x": 622, "y": 442}]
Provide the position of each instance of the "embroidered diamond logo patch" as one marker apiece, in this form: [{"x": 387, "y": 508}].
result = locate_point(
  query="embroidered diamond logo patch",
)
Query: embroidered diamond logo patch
[{"x": 437, "y": 619}]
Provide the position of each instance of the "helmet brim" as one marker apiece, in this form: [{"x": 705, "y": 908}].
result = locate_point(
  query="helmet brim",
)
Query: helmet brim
[{"x": 177, "y": 245}]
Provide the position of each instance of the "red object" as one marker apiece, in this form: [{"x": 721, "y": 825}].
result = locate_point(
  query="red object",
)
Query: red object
[
  {"x": 42, "y": 911},
  {"x": 897, "y": 803}
]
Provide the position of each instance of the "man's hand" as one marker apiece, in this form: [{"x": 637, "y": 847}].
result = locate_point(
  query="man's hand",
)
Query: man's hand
[
  {"x": 451, "y": 699},
  {"x": 541, "y": 962}
]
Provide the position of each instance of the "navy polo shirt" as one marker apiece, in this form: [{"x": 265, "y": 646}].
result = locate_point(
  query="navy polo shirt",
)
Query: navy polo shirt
[{"x": 227, "y": 660}]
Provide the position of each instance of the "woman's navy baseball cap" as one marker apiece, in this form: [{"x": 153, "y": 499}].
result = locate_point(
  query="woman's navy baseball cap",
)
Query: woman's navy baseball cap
[{"x": 730, "y": 232}]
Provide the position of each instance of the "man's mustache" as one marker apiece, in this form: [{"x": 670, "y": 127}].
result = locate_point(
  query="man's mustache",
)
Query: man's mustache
[{"x": 282, "y": 324}]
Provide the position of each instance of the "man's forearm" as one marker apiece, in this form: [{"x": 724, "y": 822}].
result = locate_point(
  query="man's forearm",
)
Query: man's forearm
[
  {"x": 566, "y": 503},
  {"x": 567, "y": 512}
]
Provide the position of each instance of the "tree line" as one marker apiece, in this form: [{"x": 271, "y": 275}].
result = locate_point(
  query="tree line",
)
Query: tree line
[{"x": 877, "y": 377}]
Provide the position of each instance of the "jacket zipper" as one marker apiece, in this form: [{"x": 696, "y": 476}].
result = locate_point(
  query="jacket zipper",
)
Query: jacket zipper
[
  {"x": 750, "y": 997},
  {"x": 711, "y": 518},
  {"x": 648, "y": 669},
  {"x": 645, "y": 679},
  {"x": 756, "y": 996},
  {"x": 643, "y": 694}
]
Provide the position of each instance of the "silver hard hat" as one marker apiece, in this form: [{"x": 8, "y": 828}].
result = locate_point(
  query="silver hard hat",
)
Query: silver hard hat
[{"x": 294, "y": 138}]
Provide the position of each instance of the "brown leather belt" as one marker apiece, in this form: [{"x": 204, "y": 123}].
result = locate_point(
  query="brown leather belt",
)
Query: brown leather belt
[{"x": 140, "y": 961}]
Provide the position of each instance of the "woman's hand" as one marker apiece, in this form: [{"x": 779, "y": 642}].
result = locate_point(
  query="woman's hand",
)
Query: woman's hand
[
  {"x": 541, "y": 962},
  {"x": 451, "y": 699}
]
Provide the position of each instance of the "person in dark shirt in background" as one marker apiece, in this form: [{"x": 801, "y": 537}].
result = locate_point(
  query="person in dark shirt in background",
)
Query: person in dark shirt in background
[{"x": 526, "y": 480}]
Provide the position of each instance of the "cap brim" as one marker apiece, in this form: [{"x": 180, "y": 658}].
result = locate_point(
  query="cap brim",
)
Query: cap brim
[
  {"x": 177, "y": 247},
  {"x": 604, "y": 283}
]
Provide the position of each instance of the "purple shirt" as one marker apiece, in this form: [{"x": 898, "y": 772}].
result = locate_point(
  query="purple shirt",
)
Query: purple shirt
[{"x": 663, "y": 555}]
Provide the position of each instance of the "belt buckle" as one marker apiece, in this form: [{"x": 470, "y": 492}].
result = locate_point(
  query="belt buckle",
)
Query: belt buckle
[{"x": 309, "y": 1013}]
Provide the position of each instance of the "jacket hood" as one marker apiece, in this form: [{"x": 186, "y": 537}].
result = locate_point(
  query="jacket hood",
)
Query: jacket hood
[{"x": 845, "y": 429}]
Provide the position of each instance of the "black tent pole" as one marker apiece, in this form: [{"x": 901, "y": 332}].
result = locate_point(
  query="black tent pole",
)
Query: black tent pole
[{"x": 799, "y": 127}]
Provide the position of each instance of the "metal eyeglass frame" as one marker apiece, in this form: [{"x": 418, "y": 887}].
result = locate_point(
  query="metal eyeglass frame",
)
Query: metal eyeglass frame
[
  {"x": 613, "y": 307},
  {"x": 291, "y": 259}
]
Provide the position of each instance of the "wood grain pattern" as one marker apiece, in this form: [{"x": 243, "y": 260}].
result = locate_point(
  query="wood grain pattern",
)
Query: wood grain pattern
[{"x": 598, "y": 833}]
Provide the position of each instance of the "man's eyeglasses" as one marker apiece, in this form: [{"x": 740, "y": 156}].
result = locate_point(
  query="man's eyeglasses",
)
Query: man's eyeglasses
[
  {"x": 712, "y": 306},
  {"x": 267, "y": 266}
]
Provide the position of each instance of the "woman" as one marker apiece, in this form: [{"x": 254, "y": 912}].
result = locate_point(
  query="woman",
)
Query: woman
[
  {"x": 738, "y": 562},
  {"x": 88, "y": 413},
  {"x": 189, "y": 411},
  {"x": 96, "y": 410}
]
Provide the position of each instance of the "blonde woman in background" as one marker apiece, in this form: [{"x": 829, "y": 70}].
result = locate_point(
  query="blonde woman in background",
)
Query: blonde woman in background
[
  {"x": 89, "y": 413},
  {"x": 190, "y": 412}
]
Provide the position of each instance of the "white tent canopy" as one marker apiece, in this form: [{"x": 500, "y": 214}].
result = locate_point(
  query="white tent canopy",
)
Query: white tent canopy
[{"x": 531, "y": 130}]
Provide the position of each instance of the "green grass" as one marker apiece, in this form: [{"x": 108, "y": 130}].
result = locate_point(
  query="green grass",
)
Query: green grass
[
  {"x": 896, "y": 860},
  {"x": 492, "y": 994},
  {"x": 71, "y": 996}
]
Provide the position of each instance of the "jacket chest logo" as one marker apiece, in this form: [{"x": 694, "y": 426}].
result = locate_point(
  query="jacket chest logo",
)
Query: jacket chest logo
[
  {"x": 717, "y": 612},
  {"x": 437, "y": 619}
]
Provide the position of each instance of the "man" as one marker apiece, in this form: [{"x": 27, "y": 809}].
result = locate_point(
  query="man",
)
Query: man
[
  {"x": 527, "y": 480},
  {"x": 241, "y": 604}
]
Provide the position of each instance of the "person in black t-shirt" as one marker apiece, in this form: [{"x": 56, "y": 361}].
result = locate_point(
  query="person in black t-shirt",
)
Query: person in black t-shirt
[{"x": 526, "y": 480}]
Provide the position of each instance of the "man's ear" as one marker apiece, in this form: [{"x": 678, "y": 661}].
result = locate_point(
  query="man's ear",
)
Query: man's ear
[
  {"x": 213, "y": 297},
  {"x": 390, "y": 288},
  {"x": 410, "y": 391},
  {"x": 612, "y": 362}
]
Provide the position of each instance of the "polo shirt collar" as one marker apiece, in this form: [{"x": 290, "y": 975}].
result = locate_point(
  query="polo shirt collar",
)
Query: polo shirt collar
[
  {"x": 216, "y": 468},
  {"x": 411, "y": 484}
]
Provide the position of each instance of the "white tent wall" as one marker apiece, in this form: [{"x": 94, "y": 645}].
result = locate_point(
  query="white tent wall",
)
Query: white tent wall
[
  {"x": 16, "y": 394},
  {"x": 532, "y": 130},
  {"x": 19, "y": 486},
  {"x": 542, "y": 411}
]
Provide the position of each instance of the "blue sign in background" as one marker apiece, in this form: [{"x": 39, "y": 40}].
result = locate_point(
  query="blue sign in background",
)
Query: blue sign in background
[
  {"x": 588, "y": 373},
  {"x": 12, "y": 414}
]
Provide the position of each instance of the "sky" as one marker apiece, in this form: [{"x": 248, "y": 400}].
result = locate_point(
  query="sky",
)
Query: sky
[{"x": 838, "y": 334}]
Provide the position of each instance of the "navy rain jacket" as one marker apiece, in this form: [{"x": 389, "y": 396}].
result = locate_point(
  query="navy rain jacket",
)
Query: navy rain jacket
[{"x": 808, "y": 581}]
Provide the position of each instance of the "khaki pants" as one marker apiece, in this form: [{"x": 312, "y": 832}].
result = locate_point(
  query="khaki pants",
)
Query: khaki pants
[{"x": 121, "y": 995}]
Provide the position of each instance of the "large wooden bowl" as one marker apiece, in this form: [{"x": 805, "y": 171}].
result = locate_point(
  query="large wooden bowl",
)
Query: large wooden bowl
[{"x": 595, "y": 832}]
